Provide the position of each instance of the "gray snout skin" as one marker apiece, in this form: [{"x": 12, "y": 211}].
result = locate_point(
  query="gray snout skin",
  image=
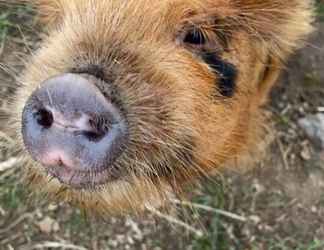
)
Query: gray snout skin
[{"x": 74, "y": 131}]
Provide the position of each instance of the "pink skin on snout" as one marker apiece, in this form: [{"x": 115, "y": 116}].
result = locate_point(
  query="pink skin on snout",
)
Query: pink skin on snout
[{"x": 74, "y": 131}]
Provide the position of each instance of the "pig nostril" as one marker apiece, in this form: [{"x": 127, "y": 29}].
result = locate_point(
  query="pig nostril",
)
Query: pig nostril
[
  {"x": 44, "y": 118},
  {"x": 99, "y": 128},
  {"x": 95, "y": 134}
]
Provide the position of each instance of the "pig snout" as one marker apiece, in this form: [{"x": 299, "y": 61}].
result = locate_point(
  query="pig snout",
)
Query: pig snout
[{"x": 74, "y": 131}]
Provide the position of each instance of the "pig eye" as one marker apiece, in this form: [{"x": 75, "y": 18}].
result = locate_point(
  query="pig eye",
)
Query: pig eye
[
  {"x": 209, "y": 50},
  {"x": 194, "y": 36}
]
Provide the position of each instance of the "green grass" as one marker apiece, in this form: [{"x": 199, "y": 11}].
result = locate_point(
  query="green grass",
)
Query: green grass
[
  {"x": 11, "y": 17},
  {"x": 12, "y": 195},
  {"x": 320, "y": 9},
  {"x": 312, "y": 79},
  {"x": 77, "y": 221},
  {"x": 215, "y": 233},
  {"x": 5, "y": 24},
  {"x": 285, "y": 245},
  {"x": 216, "y": 237}
]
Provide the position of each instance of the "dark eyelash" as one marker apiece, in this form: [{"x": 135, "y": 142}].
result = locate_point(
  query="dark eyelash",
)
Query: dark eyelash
[{"x": 195, "y": 36}]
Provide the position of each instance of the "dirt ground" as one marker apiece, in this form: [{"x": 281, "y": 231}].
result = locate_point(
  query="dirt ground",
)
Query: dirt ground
[{"x": 280, "y": 201}]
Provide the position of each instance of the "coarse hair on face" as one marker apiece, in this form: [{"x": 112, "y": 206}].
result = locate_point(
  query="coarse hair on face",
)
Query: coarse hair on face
[{"x": 190, "y": 78}]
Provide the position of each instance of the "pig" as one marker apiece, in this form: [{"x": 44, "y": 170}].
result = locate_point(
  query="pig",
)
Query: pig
[{"x": 126, "y": 103}]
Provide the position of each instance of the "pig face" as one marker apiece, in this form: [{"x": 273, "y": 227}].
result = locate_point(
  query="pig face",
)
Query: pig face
[{"x": 125, "y": 102}]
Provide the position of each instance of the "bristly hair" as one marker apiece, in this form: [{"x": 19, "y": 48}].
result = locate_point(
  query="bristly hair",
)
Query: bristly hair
[{"x": 169, "y": 124}]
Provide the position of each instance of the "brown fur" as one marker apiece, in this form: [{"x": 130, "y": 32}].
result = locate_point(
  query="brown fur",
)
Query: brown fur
[{"x": 180, "y": 130}]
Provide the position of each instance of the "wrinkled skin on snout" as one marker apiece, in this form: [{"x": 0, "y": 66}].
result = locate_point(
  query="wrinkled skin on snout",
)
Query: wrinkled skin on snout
[{"x": 126, "y": 102}]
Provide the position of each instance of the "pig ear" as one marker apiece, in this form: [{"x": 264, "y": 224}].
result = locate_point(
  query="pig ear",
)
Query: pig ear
[
  {"x": 269, "y": 77},
  {"x": 49, "y": 11},
  {"x": 280, "y": 25}
]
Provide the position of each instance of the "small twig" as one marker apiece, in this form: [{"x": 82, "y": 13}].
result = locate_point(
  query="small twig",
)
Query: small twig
[
  {"x": 16, "y": 222},
  {"x": 175, "y": 221},
  {"x": 10, "y": 163},
  {"x": 50, "y": 244},
  {"x": 6, "y": 137},
  {"x": 9, "y": 173},
  {"x": 211, "y": 209},
  {"x": 2, "y": 211},
  {"x": 12, "y": 238},
  {"x": 320, "y": 109},
  {"x": 282, "y": 152},
  {"x": 94, "y": 237},
  {"x": 2, "y": 46},
  {"x": 10, "y": 247}
]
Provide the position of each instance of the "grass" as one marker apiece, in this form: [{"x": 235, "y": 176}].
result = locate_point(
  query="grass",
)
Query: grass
[
  {"x": 4, "y": 26},
  {"x": 11, "y": 195},
  {"x": 8, "y": 17},
  {"x": 284, "y": 245},
  {"x": 312, "y": 79},
  {"x": 320, "y": 9},
  {"x": 215, "y": 236},
  {"x": 76, "y": 221}
]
